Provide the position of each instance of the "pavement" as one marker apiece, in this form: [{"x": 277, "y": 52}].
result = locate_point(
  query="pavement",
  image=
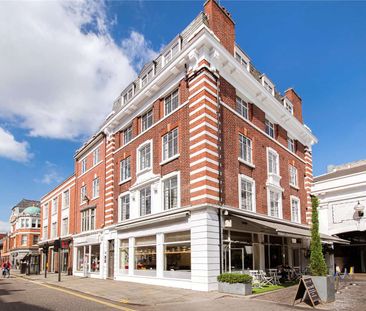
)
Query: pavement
[{"x": 134, "y": 296}]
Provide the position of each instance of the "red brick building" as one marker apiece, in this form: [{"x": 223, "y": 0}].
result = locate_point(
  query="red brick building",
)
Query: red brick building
[
  {"x": 58, "y": 223},
  {"x": 21, "y": 243},
  {"x": 202, "y": 167}
]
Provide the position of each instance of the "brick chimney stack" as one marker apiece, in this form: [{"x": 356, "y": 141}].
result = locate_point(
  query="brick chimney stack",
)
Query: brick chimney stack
[
  {"x": 220, "y": 22},
  {"x": 297, "y": 102}
]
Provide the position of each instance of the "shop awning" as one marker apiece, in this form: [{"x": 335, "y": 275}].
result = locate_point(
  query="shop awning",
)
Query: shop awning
[{"x": 292, "y": 231}]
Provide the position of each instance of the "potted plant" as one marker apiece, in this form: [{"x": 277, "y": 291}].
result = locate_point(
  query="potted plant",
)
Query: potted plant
[
  {"x": 323, "y": 282},
  {"x": 235, "y": 283}
]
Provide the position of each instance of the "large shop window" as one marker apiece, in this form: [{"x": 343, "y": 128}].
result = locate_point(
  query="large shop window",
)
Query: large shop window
[
  {"x": 170, "y": 192},
  {"x": 177, "y": 254},
  {"x": 238, "y": 251},
  {"x": 145, "y": 255},
  {"x": 94, "y": 258},
  {"x": 88, "y": 258},
  {"x": 80, "y": 258},
  {"x": 123, "y": 256}
]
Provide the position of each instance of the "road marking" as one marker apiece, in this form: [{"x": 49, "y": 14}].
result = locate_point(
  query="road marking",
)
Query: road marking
[{"x": 81, "y": 296}]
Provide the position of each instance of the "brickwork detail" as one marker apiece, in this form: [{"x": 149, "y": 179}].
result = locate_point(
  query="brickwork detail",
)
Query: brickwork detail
[
  {"x": 203, "y": 138},
  {"x": 109, "y": 184}
]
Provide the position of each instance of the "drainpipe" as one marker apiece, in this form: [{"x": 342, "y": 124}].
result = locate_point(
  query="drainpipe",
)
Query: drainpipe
[{"x": 221, "y": 179}]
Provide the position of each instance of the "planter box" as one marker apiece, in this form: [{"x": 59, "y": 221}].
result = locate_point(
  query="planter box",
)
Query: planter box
[
  {"x": 235, "y": 288},
  {"x": 325, "y": 287}
]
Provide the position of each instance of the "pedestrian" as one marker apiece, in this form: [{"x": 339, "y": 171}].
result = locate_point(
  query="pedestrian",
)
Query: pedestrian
[
  {"x": 8, "y": 267},
  {"x": 5, "y": 268}
]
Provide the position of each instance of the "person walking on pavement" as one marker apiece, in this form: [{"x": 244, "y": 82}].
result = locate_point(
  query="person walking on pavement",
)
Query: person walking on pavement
[{"x": 6, "y": 268}]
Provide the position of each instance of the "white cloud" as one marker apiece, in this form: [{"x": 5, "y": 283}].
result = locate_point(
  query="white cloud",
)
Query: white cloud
[
  {"x": 12, "y": 149},
  {"x": 60, "y": 68},
  {"x": 137, "y": 49},
  {"x": 4, "y": 226},
  {"x": 51, "y": 174}
]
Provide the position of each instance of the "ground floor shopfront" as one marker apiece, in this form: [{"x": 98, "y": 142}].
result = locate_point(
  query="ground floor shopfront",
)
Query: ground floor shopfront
[
  {"x": 50, "y": 258},
  {"x": 189, "y": 248},
  {"x": 352, "y": 256}
]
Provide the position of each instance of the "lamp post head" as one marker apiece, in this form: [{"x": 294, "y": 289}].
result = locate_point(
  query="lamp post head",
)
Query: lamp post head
[{"x": 359, "y": 208}]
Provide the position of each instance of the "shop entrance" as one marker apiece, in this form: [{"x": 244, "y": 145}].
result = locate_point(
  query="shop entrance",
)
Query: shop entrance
[{"x": 110, "y": 259}]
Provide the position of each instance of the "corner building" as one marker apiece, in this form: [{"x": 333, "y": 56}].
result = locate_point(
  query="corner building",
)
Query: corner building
[{"x": 204, "y": 168}]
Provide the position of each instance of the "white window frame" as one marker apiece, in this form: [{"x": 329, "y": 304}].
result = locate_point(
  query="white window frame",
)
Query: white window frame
[
  {"x": 45, "y": 210},
  {"x": 170, "y": 53},
  {"x": 269, "y": 151},
  {"x": 64, "y": 206},
  {"x": 295, "y": 198},
  {"x": 96, "y": 156},
  {"x": 63, "y": 233},
  {"x": 271, "y": 125},
  {"x": 242, "y": 107},
  {"x": 139, "y": 148},
  {"x": 127, "y": 130},
  {"x": 83, "y": 165},
  {"x": 96, "y": 188},
  {"x": 288, "y": 105},
  {"x": 54, "y": 206},
  {"x": 45, "y": 233},
  {"x": 152, "y": 120},
  {"x": 164, "y": 178},
  {"x": 146, "y": 78},
  {"x": 243, "y": 60},
  {"x": 25, "y": 242},
  {"x": 291, "y": 169},
  {"x": 89, "y": 223},
  {"x": 170, "y": 96},
  {"x": 291, "y": 144},
  {"x": 121, "y": 213},
  {"x": 268, "y": 85},
  {"x": 139, "y": 202},
  {"x": 83, "y": 194},
  {"x": 165, "y": 156},
  {"x": 123, "y": 168},
  {"x": 249, "y": 149},
  {"x": 280, "y": 206},
  {"x": 254, "y": 197},
  {"x": 54, "y": 233}
]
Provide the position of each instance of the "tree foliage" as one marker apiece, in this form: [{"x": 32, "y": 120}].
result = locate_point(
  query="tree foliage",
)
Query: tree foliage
[{"x": 318, "y": 267}]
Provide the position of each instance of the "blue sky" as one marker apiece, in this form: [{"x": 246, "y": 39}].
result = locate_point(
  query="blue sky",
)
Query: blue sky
[{"x": 318, "y": 48}]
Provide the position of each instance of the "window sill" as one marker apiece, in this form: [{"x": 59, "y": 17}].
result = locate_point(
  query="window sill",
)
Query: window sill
[
  {"x": 145, "y": 170},
  {"x": 94, "y": 198},
  {"x": 170, "y": 159},
  {"x": 251, "y": 165},
  {"x": 124, "y": 181},
  {"x": 294, "y": 187}
]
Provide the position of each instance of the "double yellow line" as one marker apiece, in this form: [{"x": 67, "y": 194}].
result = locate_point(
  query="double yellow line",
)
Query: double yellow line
[{"x": 111, "y": 305}]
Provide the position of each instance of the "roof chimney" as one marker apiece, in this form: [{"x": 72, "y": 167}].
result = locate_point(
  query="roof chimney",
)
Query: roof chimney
[
  {"x": 220, "y": 22},
  {"x": 297, "y": 103}
]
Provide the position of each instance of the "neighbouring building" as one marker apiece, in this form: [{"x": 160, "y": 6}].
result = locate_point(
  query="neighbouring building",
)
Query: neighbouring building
[
  {"x": 201, "y": 167},
  {"x": 58, "y": 223},
  {"x": 23, "y": 238},
  {"x": 342, "y": 194},
  {"x": 2, "y": 249}
]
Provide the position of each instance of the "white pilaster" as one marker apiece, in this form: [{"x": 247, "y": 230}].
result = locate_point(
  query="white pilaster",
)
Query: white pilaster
[
  {"x": 131, "y": 255},
  {"x": 160, "y": 255},
  {"x": 205, "y": 253}
]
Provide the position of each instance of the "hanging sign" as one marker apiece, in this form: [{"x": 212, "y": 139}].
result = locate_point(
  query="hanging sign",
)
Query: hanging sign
[{"x": 307, "y": 289}]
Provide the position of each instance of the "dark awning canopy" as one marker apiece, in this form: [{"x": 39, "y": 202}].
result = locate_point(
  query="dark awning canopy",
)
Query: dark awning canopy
[{"x": 292, "y": 231}]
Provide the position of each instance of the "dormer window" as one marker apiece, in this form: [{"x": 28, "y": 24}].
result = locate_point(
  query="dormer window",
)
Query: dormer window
[
  {"x": 268, "y": 85},
  {"x": 171, "y": 53},
  {"x": 146, "y": 78},
  {"x": 243, "y": 60},
  {"x": 288, "y": 105}
]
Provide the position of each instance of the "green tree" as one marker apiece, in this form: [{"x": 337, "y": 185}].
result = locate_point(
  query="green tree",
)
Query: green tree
[{"x": 318, "y": 267}]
